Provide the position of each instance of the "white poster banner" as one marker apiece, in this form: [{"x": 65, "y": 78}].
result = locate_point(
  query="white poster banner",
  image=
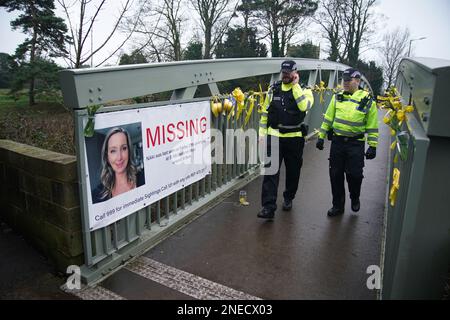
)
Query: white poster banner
[{"x": 139, "y": 156}]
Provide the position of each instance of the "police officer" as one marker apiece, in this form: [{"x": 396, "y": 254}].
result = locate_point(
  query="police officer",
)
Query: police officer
[
  {"x": 284, "y": 110},
  {"x": 350, "y": 115}
]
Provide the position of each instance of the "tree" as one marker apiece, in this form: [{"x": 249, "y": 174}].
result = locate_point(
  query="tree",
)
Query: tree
[
  {"x": 135, "y": 57},
  {"x": 279, "y": 19},
  {"x": 158, "y": 29},
  {"x": 357, "y": 17},
  {"x": 172, "y": 31},
  {"x": 79, "y": 55},
  {"x": 193, "y": 51},
  {"x": 47, "y": 36},
  {"x": 373, "y": 74},
  {"x": 240, "y": 43},
  {"x": 329, "y": 18},
  {"x": 394, "y": 47},
  {"x": 347, "y": 25},
  {"x": 215, "y": 16},
  {"x": 305, "y": 50},
  {"x": 46, "y": 80},
  {"x": 5, "y": 70}
]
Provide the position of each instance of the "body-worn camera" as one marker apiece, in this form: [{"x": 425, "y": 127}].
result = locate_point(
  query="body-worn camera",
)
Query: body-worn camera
[{"x": 304, "y": 129}]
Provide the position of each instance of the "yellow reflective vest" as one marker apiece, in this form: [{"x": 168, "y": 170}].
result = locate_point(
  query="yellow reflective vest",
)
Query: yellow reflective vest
[
  {"x": 347, "y": 116},
  {"x": 304, "y": 99}
]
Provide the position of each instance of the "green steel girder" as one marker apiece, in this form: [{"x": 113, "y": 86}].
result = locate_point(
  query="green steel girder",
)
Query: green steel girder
[{"x": 84, "y": 87}]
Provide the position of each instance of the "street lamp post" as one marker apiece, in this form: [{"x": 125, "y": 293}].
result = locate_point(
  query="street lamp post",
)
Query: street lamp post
[{"x": 410, "y": 41}]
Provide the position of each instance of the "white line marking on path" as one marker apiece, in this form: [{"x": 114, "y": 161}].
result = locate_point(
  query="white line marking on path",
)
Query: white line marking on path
[{"x": 184, "y": 282}]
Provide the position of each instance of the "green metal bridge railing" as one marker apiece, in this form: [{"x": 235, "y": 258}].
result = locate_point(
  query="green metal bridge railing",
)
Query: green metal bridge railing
[
  {"x": 110, "y": 247},
  {"x": 416, "y": 237}
]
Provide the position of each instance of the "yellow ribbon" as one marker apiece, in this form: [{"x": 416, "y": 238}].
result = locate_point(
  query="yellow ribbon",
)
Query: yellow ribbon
[
  {"x": 395, "y": 116},
  {"x": 251, "y": 104},
  {"x": 239, "y": 96},
  {"x": 395, "y": 186},
  {"x": 236, "y": 103},
  {"x": 320, "y": 89},
  {"x": 230, "y": 113},
  {"x": 216, "y": 106}
]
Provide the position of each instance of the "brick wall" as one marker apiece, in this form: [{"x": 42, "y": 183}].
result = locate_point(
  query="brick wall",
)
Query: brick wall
[{"x": 39, "y": 199}]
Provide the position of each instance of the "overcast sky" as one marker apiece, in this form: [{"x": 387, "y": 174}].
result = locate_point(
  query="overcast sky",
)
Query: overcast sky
[{"x": 424, "y": 18}]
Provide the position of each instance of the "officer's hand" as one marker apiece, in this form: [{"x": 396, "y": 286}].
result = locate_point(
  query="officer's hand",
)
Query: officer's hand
[
  {"x": 371, "y": 153},
  {"x": 319, "y": 144},
  {"x": 295, "y": 78}
]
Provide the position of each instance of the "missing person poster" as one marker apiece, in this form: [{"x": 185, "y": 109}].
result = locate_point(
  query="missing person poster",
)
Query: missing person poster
[{"x": 137, "y": 157}]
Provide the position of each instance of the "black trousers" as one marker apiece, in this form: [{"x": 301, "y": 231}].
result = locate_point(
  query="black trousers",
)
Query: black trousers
[
  {"x": 346, "y": 156},
  {"x": 291, "y": 152}
]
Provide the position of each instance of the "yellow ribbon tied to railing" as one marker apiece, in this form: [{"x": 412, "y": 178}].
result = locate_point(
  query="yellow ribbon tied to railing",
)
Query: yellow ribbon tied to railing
[
  {"x": 394, "y": 118},
  {"x": 216, "y": 106},
  {"x": 320, "y": 89},
  {"x": 229, "y": 106},
  {"x": 239, "y": 97},
  {"x": 237, "y": 100},
  {"x": 262, "y": 97},
  {"x": 338, "y": 88},
  {"x": 251, "y": 105},
  {"x": 395, "y": 186}
]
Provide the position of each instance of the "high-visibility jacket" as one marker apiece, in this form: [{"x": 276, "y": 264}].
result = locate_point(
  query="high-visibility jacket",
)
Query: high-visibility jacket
[
  {"x": 351, "y": 116},
  {"x": 304, "y": 100}
]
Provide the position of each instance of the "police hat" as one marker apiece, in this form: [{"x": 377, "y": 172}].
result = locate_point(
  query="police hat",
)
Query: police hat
[
  {"x": 351, "y": 73},
  {"x": 288, "y": 66}
]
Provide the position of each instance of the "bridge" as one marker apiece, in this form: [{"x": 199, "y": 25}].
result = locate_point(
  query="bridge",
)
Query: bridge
[{"x": 202, "y": 242}]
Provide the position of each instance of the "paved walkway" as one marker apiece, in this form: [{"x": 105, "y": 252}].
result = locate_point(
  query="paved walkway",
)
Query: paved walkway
[
  {"x": 302, "y": 254},
  {"x": 228, "y": 253},
  {"x": 24, "y": 273}
]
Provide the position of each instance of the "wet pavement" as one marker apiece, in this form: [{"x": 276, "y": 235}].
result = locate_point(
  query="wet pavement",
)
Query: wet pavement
[
  {"x": 24, "y": 273},
  {"x": 229, "y": 252},
  {"x": 301, "y": 254}
]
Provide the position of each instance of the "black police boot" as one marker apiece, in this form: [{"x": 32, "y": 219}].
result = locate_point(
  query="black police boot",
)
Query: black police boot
[
  {"x": 356, "y": 205},
  {"x": 266, "y": 214},
  {"x": 335, "y": 212},
  {"x": 287, "y": 205}
]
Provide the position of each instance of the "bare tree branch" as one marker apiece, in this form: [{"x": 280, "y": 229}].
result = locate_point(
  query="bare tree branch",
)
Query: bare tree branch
[
  {"x": 123, "y": 42},
  {"x": 81, "y": 32},
  {"x": 395, "y": 45},
  {"x": 348, "y": 26},
  {"x": 92, "y": 22},
  {"x": 164, "y": 39},
  {"x": 211, "y": 12}
]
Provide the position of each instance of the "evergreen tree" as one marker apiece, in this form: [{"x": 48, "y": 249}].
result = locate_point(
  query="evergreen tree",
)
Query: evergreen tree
[
  {"x": 241, "y": 43},
  {"x": 5, "y": 70},
  {"x": 135, "y": 57},
  {"x": 279, "y": 19},
  {"x": 46, "y": 81},
  {"x": 305, "y": 50},
  {"x": 193, "y": 51},
  {"x": 46, "y": 38},
  {"x": 373, "y": 74}
]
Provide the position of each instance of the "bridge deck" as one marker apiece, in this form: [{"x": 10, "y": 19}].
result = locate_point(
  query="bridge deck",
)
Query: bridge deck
[{"x": 302, "y": 254}]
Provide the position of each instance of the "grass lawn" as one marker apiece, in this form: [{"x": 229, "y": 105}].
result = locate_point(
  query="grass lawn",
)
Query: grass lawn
[{"x": 46, "y": 125}]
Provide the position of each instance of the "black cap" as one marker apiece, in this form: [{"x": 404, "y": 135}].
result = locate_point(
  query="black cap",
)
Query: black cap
[
  {"x": 288, "y": 66},
  {"x": 351, "y": 73}
]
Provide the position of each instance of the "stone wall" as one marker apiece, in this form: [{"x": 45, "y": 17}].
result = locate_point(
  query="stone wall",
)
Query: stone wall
[{"x": 39, "y": 199}]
